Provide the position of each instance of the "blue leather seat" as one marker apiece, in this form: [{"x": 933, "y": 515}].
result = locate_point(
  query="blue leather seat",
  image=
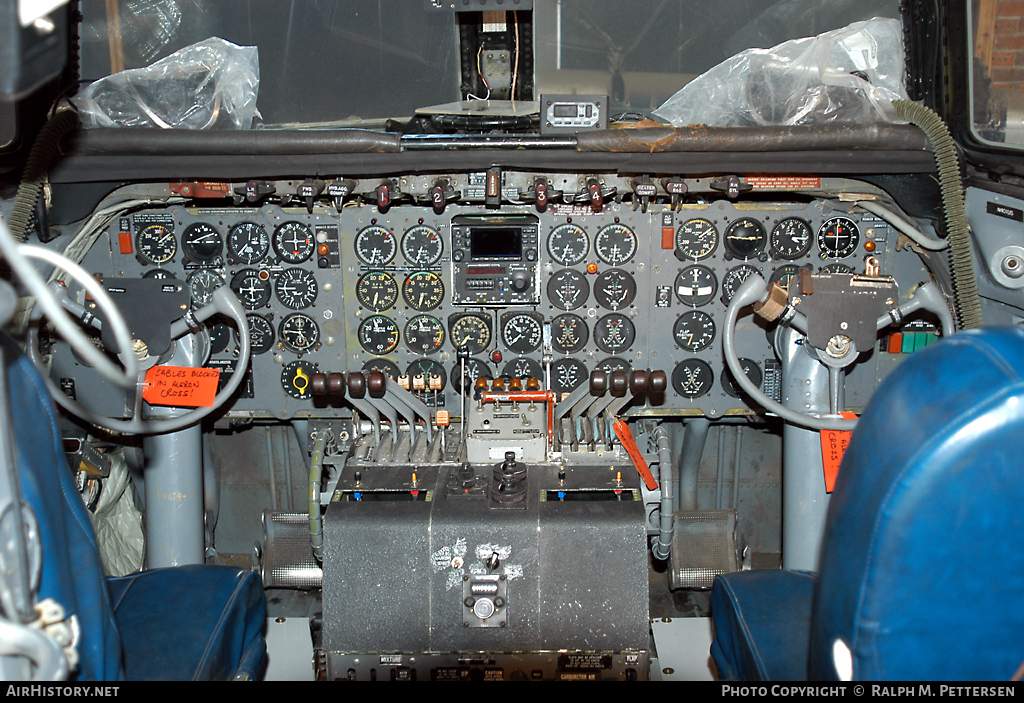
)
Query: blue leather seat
[
  {"x": 196, "y": 622},
  {"x": 921, "y": 576}
]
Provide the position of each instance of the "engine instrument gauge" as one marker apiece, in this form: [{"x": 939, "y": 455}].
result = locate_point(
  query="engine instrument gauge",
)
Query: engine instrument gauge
[
  {"x": 375, "y": 246},
  {"x": 423, "y": 291},
  {"x": 696, "y": 239},
  {"x": 424, "y": 334},
  {"x": 202, "y": 284},
  {"x": 296, "y": 288},
  {"x": 745, "y": 238},
  {"x": 471, "y": 331},
  {"x": 296, "y": 378},
  {"x": 694, "y": 330},
  {"x": 734, "y": 278},
  {"x": 521, "y": 332},
  {"x": 252, "y": 288},
  {"x": 613, "y": 363},
  {"x": 569, "y": 334},
  {"x": 692, "y": 378},
  {"x": 836, "y": 268},
  {"x": 791, "y": 238},
  {"x": 568, "y": 289},
  {"x": 293, "y": 242},
  {"x": 474, "y": 369},
  {"x": 751, "y": 370},
  {"x": 427, "y": 368},
  {"x": 248, "y": 242},
  {"x": 299, "y": 333},
  {"x": 201, "y": 242},
  {"x": 615, "y": 244},
  {"x": 614, "y": 289},
  {"x": 523, "y": 368},
  {"x": 156, "y": 244},
  {"x": 783, "y": 276},
  {"x": 567, "y": 375},
  {"x": 422, "y": 246},
  {"x": 838, "y": 238},
  {"x": 377, "y": 291},
  {"x": 261, "y": 334},
  {"x": 378, "y": 335},
  {"x": 386, "y": 367},
  {"x": 568, "y": 244},
  {"x": 614, "y": 333},
  {"x": 696, "y": 285},
  {"x": 160, "y": 275}
]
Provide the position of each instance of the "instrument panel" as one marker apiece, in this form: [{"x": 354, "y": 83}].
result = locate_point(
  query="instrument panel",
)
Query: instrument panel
[{"x": 401, "y": 292}]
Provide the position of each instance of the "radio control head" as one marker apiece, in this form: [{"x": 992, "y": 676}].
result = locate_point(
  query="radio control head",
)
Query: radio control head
[{"x": 520, "y": 280}]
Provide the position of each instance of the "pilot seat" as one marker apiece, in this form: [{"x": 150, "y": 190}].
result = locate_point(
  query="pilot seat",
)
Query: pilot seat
[
  {"x": 184, "y": 623},
  {"x": 920, "y": 573}
]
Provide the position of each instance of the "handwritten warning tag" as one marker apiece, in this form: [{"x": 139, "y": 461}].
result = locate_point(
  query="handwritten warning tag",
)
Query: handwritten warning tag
[
  {"x": 833, "y": 447},
  {"x": 181, "y": 386}
]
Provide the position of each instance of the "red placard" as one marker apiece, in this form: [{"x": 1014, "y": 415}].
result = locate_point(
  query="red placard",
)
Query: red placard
[
  {"x": 181, "y": 386},
  {"x": 833, "y": 447}
]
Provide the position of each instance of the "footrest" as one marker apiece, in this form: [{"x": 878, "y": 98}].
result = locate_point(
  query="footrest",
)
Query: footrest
[{"x": 703, "y": 546}]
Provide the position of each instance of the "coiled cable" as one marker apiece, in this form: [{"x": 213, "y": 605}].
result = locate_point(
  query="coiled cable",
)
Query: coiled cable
[{"x": 961, "y": 260}]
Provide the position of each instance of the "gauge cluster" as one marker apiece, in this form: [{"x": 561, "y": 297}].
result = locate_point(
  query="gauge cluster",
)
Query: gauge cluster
[{"x": 403, "y": 291}]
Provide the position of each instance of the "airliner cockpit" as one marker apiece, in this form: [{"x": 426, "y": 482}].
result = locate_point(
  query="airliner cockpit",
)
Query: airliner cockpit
[{"x": 495, "y": 340}]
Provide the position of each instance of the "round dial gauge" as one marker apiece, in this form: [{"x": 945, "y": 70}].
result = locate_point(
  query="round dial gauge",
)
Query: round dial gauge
[
  {"x": 156, "y": 244},
  {"x": 299, "y": 333},
  {"x": 388, "y": 368},
  {"x": 791, "y": 238},
  {"x": 474, "y": 369},
  {"x": 696, "y": 285},
  {"x": 567, "y": 375},
  {"x": 521, "y": 332},
  {"x": 470, "y": 331},
  {"x": 427, "y": 368},
  {"x": 422, "y": 246},
  {"x": 201, "y": 285},
  {"x": 201, "y": 242},
  {"x": 694, "y": 330},
  {"x": 296, "y": 288},
  {"x": 423, "y": 291},
  {"x": 751, "y": 370},
  {"x": 569, "y": 334},
  {"x": 568, "y": 289},
  {"x": 734, "y": 278},
  {"x": 692, "y": 378},
  {"x": 838, "y": 238},
  {"x": 783, "y": 276},
  {"x": 160, "y": 275},
  {"x": 252, "y": 288},
  {"x": 568, "y": 244},
  {"x": 614, "y": 333},
  {"x": 614, "y": 289},
  {"x": 523, "y": 368},
  {"x": 615, "y": 244},
  {"x": 220, "y": 337},
  {"x": 376, "y": 291},
  {"x": 261, "y": 334},
  {"x": 248, "y": 242},
  {"x": 378, "y": 335},
  {"x": 696, "y": 239},
  {"x": 745, "y": 238},
  {"x": 614, "y": 363},
  {"x": 836, "y": 268},
  {"x": 375, "y": 246},
  {"x": 424, "y": 334},
  {"x": 296, "y": 378},
  {"x": 293, "y": 242}
]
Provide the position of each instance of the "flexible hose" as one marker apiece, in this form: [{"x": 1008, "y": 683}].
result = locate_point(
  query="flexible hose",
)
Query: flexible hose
[
  {"x": 44, "y": 149},
  {"x": 965, "y": 284},
  {"x": 316, "y": 522},
  {"x": 662, "y": 547}
]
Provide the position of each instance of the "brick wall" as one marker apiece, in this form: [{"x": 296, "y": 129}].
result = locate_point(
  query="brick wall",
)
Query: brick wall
[{"x": 1007, "y": 45}]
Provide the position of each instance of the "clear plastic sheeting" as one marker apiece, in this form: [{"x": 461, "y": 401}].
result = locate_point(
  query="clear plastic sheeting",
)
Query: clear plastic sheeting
[
  {"x": 209, "y": 85},
  {"x": 849, "y": 75},
  {"x": 118, "y": 522}
]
